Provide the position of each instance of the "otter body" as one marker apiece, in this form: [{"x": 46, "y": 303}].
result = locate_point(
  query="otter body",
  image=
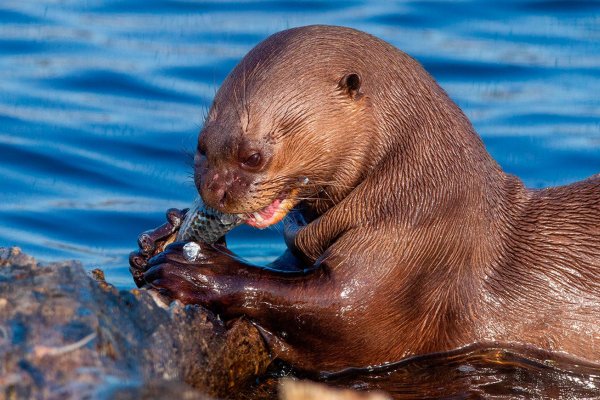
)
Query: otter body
[{"x": 405, "y": 237}]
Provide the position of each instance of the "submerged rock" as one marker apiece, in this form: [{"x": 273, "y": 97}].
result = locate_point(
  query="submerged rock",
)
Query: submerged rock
[{"x": 64, "y": 334}]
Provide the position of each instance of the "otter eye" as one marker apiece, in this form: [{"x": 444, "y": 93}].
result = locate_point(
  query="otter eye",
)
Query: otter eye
[{"x": 253, "y": 161}]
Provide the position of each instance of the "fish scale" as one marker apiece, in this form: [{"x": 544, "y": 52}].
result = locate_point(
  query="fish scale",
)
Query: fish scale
[{"x": 205, "y": 224}]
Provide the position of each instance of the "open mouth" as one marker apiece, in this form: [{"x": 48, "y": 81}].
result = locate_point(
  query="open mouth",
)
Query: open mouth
[{"x": 271, "y": 214}]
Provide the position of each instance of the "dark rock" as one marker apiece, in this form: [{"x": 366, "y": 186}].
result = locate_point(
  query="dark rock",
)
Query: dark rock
[{"x": 65, "y": 335}]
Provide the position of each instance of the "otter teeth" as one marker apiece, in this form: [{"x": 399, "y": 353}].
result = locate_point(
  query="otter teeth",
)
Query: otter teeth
[{"x": 257, "y": 217}]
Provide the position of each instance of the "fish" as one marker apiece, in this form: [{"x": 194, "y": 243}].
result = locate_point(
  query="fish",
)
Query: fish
[{"x": 204, "y": 224}]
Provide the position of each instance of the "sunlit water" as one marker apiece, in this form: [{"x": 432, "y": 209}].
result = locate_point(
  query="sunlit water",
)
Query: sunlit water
[{"x": 101, "y": 100}]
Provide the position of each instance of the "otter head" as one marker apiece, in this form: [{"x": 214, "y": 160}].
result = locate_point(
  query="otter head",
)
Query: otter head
[{"x": 283, "y": 128}]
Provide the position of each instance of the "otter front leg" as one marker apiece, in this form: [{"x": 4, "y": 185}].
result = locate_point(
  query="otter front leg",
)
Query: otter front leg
[
  {"x": 295, "y": 308},
  {"x": 221, "y": 281}
]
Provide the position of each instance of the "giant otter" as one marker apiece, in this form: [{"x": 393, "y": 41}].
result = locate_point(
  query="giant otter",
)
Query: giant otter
[{"x": 404, "y": 235}]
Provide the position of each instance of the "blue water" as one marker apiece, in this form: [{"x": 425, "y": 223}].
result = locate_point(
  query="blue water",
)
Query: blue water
[{"x": 101, "y": 102}]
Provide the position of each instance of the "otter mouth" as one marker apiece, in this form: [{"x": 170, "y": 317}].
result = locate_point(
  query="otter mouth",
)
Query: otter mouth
[{"x": 271, "y": 214}]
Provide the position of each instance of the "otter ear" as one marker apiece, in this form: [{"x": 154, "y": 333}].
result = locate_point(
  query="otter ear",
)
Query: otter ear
[{"x": 350, "y": 84}]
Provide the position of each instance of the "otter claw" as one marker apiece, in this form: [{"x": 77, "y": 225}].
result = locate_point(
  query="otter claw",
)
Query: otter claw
[
  {"x": 137, "y": 260},
  {"x": 137, "y": 264},
  {"x": 147, "y": 241},
  {"x": 176, "y": 216}
]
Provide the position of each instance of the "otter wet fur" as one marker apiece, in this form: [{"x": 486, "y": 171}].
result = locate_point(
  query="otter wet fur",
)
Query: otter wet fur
[{"x": 404, "y": 236}]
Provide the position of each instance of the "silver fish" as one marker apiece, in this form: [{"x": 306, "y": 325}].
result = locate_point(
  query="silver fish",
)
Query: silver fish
[{"x": 205, "y": 224}]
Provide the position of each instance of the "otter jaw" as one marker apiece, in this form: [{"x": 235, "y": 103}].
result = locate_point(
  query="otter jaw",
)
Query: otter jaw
[{"x": 273, "y": 213}]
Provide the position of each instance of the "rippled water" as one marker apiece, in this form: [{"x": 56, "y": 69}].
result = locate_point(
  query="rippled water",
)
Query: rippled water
[{"x": 101, "y": 100}]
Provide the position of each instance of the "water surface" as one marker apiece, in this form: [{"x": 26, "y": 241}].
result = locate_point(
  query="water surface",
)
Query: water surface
[
  {"x": 101, "y": 100},
  {"x": 484, "y": 371}
]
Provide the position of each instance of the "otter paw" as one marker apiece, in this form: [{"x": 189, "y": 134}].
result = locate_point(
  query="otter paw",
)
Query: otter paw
[
  {"x": 199, "y": 281},
  {"x": 152, "y": 242}
]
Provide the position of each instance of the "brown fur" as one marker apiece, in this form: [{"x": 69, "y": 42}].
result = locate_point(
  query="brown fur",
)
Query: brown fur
[{"x": 421, "y": 242}]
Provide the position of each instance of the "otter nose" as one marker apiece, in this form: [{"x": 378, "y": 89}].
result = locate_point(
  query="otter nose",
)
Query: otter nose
[{"x": 214, "y": 190}]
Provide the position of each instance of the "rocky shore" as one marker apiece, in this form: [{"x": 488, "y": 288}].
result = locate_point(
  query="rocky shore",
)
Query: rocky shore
[{"x": 67, "y": 334}]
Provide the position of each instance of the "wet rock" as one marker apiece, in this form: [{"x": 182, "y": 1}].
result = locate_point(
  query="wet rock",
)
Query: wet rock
[{"x": 64, "y": 334}]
